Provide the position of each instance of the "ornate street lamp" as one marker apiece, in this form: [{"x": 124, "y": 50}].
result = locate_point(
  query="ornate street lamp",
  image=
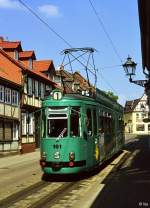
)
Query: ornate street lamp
[{"x": 129, "y": 68}]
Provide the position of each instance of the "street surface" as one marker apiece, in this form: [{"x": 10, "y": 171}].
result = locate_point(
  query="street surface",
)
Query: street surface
[
  {"x": 122, "y": 182},
  {"x": 17, "y": 172}
]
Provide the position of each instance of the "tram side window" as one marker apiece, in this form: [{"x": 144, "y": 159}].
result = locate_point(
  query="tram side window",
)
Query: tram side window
[
  {"x": 89, "y": 122},
  {"x": 110, "y": 124},
  {"x": 106, "y": 124},
  {"x": 113, "y": 125},
  {"x": 101, "y": 124},
  {"x": 74, "y": 122}
]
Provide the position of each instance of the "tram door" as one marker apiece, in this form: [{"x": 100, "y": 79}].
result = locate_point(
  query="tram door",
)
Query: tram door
[
  {"x": 91, "y": 128},
  {"x": 96, "y": 149}
]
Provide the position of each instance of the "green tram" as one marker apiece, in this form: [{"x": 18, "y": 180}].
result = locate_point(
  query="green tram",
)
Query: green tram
[{"x": 78, "y": 133}]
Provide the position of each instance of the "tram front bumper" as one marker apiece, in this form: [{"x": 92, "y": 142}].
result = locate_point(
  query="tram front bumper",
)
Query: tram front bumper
[{"x": 55, "y": 165}]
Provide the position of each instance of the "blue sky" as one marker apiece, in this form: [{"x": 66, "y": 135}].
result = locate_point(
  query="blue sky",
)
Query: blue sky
[{"x": 76, "y": 22}]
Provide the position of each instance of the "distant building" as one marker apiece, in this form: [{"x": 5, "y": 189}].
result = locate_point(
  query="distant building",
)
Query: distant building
[
  {"x": 134, "y": 113},
  {"x": 73, "y": 82}
]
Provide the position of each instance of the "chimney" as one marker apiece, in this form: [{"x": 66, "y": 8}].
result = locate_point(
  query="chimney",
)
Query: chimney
[{"x": 1, "y": 39}]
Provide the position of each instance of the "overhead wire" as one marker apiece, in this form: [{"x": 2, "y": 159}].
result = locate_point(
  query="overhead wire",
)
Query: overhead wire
[
  {"x": 57, "y": 34},
  {"x": 45, "y": 23},
  {"x": 105, "y": 31},
  {"x": 107, "y": 82},
  {"x": 110, "y": 40},
  {"x": 110, "y": 67}
]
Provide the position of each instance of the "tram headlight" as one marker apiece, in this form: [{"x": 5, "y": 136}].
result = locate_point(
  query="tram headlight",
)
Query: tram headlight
[{"x": 71, "y": 156}]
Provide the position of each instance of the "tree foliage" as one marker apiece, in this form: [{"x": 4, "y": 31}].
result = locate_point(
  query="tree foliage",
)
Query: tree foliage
[{"x": 111, "y": 95}]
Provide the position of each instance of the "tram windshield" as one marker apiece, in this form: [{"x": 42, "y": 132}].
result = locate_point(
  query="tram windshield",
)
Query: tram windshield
[
  {"x": 57, "y": 124},
  {"x": 58, "y": 120}
]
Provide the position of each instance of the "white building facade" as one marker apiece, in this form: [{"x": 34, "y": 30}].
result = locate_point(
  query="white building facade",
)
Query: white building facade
[{"x": 135, "y": 116}]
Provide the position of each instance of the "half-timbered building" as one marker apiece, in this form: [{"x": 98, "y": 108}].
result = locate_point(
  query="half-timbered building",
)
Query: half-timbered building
[
  {"x": 135, "y": 115},
  {"x": 10, "y": 88},
  {"x": 35, "y": 82}
]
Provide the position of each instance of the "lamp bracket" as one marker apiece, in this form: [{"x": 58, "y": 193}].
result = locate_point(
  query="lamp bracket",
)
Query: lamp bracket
[{"x": 138, "y": 82}]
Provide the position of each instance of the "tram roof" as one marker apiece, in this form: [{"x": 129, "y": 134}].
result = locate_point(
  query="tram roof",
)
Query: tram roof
[{"x": 100, "y": 98}]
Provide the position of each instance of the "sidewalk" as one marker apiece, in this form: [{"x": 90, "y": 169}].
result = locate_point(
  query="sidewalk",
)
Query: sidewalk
[
  {"x": 12, "y": 153},
  {"x": 18, "y": 158}
]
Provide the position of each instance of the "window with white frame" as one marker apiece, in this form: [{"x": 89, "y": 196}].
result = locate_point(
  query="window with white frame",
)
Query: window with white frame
[
  {"x": 30, "y": 123},
  {"x": 24, "y": 123},
  {"x": 42, "y": 90},
  {"x": 75, "y": 86},
  {"x": 30, "y": 86},
  {"x": 7, "y": 95},
  {"x": 39, "y": 89},
  {"x": 15, "y": 131},
  {"x": 143, "y": 115},
  {"x": 36, "y": 89},
  {"x": 140, "y": 127},
  {"x": 25, "y": 88},
  {"x": 48, "y": 89},
  {"x": 137, "y": 117},
  {"x": 15, "y": 97},
  {"x": 1, "y": 93}
]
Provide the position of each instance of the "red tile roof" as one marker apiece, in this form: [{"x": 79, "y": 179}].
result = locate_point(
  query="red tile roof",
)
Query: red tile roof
[
  {"x": 10, "y": 45},
  {"x": 27, "y": 54},
  {"x": 8, "y": 70},
  {"x": 12, "y": 76},
  {"x": 37, "y": 73},
  {"x": 42, "y": 65}
]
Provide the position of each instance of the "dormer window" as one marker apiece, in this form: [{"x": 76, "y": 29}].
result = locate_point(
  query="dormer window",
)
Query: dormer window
[
  {"x": 142, "y": 106},
  {"x": 75, "y": 87},
  {"x": 16, "y": 55},
  {"x": 30, "y": 63}
]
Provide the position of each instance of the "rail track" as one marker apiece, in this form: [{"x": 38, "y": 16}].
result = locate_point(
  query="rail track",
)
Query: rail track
[
  {"x": 56, "y": 193},
  {"x": 49, "y": 200},
  {"x": 41, "y": 194}
]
